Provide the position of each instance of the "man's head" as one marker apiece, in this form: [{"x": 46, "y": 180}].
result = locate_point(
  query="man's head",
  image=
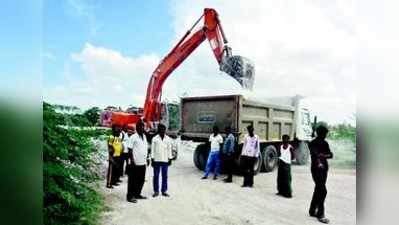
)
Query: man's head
[
  {"x": 130, "y": 131},
  {"x": 125, "y": 128},
  {"x": 227, "y": 130},
  {"x": 140, "y": 127},
  {"x": 161, "y": 129},
  {"x": 215, "y": 130},
  {"x": 116, "y": 130},
  {"x": 250, "y": 130},
  {"x": 322, "y": 132},
  {"x": 285, "y": 138}
]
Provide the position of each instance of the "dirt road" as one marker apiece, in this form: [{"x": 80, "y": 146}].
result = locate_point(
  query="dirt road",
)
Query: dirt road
[{"x": 195, "y": 202}]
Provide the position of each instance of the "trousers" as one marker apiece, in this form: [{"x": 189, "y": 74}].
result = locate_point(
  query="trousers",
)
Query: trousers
[
  {"x": 163, "y": 168},
  {"x": 213, "y": 163},
  {"x": 135, "y": 182},
  {"x": 247, "y": 165},
  {"x": 320, "y": 192}
]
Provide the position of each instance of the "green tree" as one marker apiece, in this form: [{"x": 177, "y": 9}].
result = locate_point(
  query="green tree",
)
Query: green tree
[
  {"x": 174, "y": 116},
  {"x": 69, "y": 196},
  {"x": 93, "y": 115}
]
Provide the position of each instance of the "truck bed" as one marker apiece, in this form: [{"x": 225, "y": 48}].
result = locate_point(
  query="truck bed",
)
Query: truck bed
[{"x": 200, "y": 114}]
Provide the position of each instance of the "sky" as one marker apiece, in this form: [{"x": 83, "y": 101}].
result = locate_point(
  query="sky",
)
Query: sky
[{"x": 100, "y": 53}]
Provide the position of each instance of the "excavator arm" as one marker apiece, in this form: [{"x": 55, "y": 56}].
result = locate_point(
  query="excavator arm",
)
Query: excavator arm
[
  {"x": 240, "y": 68},
  {"x": 212, "y": 30}
]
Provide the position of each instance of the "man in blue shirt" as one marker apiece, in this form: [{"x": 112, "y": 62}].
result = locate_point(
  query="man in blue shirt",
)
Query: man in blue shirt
[{"x": 228, "y": 154}]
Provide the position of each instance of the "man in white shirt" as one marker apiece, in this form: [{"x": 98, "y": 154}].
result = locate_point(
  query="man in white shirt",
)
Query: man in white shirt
[
  {"x": 213, "y": 161},
  {"x": 138, "y": 152},
  {"x": 161, "y": 158},
  {"x": 249, "y": 155},
  {"x": 125, "y": 134},
  {"x": 284, "y": 168}
]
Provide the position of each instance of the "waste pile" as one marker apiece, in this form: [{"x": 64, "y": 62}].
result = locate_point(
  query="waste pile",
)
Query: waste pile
[{"x": 241, "y": 69}]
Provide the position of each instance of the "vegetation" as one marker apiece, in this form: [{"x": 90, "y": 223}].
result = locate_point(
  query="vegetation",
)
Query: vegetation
[
  {"x": 174, "y": 116},
  {"x": 342, "y": 141},
  {"x": 93, "y": 115},
  {"x": 343, "y": 131},
  {"x": 68, "y": 180}
]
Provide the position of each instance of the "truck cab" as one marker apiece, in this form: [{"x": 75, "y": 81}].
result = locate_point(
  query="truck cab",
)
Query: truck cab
[{"x": 304, "y": 128}]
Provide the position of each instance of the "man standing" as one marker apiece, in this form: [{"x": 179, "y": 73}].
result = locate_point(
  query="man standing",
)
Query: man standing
[
  {"x": 320, "y": 152},
  {"x": 124, "y": 156},
  {"x": 114, "y": 154},
  {"x": 213, "y": 161},
  {"x": 284, "y": 168},
  {"x": 249, "y": 155},
  {"x": 161, "y": 158},
  {"x": 138, "y": 151},
  {"x": 228, "y": 154}
]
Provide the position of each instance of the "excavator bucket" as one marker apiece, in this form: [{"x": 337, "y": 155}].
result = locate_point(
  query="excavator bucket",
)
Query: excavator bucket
[{"x": 241, "y": 69}]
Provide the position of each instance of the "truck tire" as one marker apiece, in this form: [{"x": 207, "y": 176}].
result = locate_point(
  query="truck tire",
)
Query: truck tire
[
  {"x": 270, "y": 158},
  {"x": 302, "y": 153},
  {"x": 200, "y": 157},
  {"x": 175, "y": 151}
]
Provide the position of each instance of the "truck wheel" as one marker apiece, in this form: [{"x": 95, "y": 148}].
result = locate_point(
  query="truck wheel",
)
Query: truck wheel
[
  {"x": 200, "y": 157},
  {"x": 174, "y": 155},
  {"x": 270, "y": 158},
  {"x": 174, "y": 151},
  {"x": 302, "y": 153}
]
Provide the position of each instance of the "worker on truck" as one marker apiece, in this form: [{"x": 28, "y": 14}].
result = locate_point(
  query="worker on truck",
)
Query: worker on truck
[
  {"x": 320, "y": 152},
  {"x": 213, "y": 161},
  {"x": 249, "y": 155}
]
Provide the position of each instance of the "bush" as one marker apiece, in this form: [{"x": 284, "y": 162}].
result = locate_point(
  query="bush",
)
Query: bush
[
  {"x": 343, "y": 131},
  {"x": 93, "y": 115},
  {"x": 69, "y": 196}
]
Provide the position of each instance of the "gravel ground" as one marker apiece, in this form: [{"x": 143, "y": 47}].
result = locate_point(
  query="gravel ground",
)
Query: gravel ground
[{"x": 195, "y": 201}]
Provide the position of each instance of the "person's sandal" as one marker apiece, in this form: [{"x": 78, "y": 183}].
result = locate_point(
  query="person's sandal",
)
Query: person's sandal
[
  {"x": 323, "y": 220},
  {"x": 141, "y": 197},
  {"x": 132, "y": 200}
]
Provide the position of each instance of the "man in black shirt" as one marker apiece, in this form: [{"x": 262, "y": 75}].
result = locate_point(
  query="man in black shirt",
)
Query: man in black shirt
[{"x": 320, "y": 152}]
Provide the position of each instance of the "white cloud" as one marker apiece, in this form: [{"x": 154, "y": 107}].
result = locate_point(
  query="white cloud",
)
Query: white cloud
[
  {"x": 85, "y": 9},
  {"x": 106, "y": 77},
  {"x": 299, "y": 47}
]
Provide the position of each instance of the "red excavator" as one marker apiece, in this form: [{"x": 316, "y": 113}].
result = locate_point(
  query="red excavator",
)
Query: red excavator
[{"x": 238, "y": 67}]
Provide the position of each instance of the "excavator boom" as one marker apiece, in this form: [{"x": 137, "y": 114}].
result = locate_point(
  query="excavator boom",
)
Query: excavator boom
[{"x": 213, "y": 31}]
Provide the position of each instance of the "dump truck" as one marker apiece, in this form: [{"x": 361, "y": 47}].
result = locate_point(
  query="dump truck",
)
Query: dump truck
[{"x": 270, "y": 118}]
